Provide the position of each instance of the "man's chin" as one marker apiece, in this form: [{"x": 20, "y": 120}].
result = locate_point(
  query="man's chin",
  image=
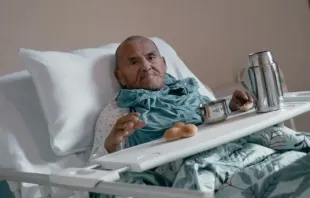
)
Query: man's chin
[{"x": 151, "y": 85}]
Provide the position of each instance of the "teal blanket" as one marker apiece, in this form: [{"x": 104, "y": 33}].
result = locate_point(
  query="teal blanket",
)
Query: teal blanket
[
  {"x": 5, "y": 190},
  {"x": 271, "y": 163}
]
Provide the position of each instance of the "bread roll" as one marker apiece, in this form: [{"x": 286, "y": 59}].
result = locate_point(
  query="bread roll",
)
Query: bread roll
[
  {"x": 179, "y": 124},
  {"x": 173, "y": 133},
  {"x": 180, "y": 130}
]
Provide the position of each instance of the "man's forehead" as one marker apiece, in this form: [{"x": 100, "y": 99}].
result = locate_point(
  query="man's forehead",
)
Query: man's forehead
[{"x": 138, "y": 47}]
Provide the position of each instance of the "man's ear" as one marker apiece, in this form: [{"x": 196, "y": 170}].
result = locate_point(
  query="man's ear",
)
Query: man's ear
[
  {"x": 164, "y": 61},
  {"x": 119, "y": 77}
]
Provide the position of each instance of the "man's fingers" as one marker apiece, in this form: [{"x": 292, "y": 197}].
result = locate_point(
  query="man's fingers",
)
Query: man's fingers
[
  {"x": 126, "y": 131},
  {"x": 241, "y": 95},
  {"x": 125, "y": 125},
  {"x": 130, "y": 126},
  {"x": 139, "y": 124},
  {"x": 134, "y": 127},
  {"x": 239, "y": 99},
  {"x": 234, "y": 106},
  {"x": 249, "y": 96},
  {"x": 119, "y": 139},
  {"x": 133, "y": 117},
  {"x": 122, "y": 134}
]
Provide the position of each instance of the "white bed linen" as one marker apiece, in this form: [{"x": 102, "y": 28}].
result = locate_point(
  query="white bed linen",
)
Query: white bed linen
[
  {"x": 73, "y": 87},
  {"x": 24, "y": 139}
]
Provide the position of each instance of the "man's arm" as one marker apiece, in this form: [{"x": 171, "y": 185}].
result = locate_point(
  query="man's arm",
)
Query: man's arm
[
  {"x": 123, "y": 128},
  {"x": 104, "y": 125},
  {"x": 113, "y": 127}
]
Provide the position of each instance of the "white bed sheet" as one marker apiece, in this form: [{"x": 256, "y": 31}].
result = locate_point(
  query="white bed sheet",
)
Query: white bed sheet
[{"x": 24, "y": 139}]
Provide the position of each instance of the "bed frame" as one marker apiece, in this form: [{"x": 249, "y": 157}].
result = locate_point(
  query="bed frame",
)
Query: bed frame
[{"x": 101, "y": 175}]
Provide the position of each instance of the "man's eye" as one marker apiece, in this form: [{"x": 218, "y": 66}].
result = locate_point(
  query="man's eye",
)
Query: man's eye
[
  {"x": 133, "y": 62},
  {"x": 151, "y": 58}
]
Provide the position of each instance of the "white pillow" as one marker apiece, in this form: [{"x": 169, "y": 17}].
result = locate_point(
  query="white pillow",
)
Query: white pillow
[{"x": 74, "y": 86}]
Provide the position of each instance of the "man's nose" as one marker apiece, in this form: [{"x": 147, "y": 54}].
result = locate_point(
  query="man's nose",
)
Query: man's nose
[{"x": 146, "y": 65}]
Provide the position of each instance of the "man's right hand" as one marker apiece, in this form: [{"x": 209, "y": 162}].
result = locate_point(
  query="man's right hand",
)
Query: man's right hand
[{"x": 123, "y": 127}]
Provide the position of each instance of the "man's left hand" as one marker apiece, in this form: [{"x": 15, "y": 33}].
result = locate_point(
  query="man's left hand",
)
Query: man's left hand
[{"x": 239, "y": 98}]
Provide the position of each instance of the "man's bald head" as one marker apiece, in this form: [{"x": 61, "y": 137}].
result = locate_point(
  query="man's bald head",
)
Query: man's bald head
[
  {"x": 139, "y": 64},
  {"x": 129, "y": 39}
]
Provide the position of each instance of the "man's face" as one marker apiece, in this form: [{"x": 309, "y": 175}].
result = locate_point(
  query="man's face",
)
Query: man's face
[{"x": 140, "y": 65}]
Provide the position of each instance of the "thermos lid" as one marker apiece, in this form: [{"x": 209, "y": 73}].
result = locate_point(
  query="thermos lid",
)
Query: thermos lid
[{"x": 261, "y": 58}]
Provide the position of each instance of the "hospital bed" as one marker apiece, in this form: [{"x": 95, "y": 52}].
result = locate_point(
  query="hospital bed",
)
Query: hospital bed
[{"x": 33, "y": 169}]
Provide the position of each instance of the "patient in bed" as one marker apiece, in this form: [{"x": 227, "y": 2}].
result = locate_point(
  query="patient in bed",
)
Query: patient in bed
[{"x": 151, "y": 101}]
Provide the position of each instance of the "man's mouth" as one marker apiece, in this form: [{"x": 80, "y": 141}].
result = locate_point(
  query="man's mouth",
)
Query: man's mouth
[{"x": 146, "y": 76}]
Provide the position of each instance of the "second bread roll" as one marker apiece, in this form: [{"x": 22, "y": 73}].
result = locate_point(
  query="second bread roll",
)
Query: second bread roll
[{"x": 189, "y": 130}]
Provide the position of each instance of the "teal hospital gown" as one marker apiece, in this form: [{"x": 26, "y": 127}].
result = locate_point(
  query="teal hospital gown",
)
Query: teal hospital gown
[{"x": 177, "y": 101}]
